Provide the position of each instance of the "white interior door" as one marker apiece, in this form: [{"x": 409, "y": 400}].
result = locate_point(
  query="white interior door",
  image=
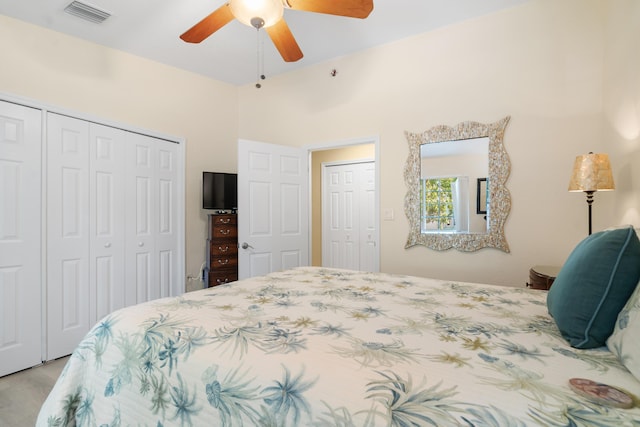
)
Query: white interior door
[
  {"x": 107, "y": 225},
  {"x": 273, "y": 230},
  {"x": 349, "y": 232},
  {"x": 140, "y": 242},
  {"x": 152, "y": 229},
  {"x": 20, "y": 238},
  {"x": 68, "y": 260},
  {"x": 369, "y": 252},
  {"x": 166, "y": 219}
]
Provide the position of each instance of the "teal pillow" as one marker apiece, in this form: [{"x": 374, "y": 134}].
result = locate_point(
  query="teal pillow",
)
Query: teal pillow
[{"x": 593, "y": 285}]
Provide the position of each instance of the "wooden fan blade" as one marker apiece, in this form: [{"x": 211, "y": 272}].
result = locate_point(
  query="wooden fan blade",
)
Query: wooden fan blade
[
  {"x": 348, "y": 8},
  {"x": 209, "y": 25},
  {"x": 284, "y": 41}
]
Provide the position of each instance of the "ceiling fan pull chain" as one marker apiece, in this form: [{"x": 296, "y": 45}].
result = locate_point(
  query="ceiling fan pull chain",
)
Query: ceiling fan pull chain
[
  {"x": 259, "y": 59},
  {"x": 262, "y": 77},
  {"x": 258, "y": 85}
]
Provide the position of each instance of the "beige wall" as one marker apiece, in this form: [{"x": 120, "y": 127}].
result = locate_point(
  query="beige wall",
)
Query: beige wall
[
  {"x": 542, "y": 63},
  {"x": 65, "y": 72},
  {"x": 622, "y": 105},
  {"x": 362, "y": 151},
  {"x": 567, "y": 72}
]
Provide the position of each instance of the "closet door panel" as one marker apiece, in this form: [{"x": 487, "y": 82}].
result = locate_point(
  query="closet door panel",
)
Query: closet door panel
[
  {"x": 68, "y": 235},
  {"x": 166, "y": 236},
  {"x": 152, "y": 238},
  {"x": 107, "y": 225},
  {"x": 141, "y": 211},
  {"x": 20, "y": 237}
]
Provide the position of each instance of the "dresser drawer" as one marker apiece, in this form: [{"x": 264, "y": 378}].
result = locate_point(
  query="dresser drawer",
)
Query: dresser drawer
[
  {"x": 224, "y": 232},
  {"x": 220, "y": 277},
  {"x": 221, "y": 248},
  {"x": 222, "y": 261},
  {"x": 222, "y": 219}
]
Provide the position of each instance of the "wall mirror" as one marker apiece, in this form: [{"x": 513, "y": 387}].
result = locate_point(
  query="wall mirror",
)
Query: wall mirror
[{"x": 456, "y": 187}]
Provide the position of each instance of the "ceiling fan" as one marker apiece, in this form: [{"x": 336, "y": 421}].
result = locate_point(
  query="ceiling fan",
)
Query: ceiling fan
[{"x": 268, "y": 14}]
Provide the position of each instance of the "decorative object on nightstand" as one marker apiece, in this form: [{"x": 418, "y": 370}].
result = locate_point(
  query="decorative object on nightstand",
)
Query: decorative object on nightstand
[
  {"x": 542, "y": 276},
  {"x": 591, "y": 173}
]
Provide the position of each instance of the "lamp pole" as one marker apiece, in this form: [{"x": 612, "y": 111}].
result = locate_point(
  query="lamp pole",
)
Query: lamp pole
[{"x": 589, "y": 202}]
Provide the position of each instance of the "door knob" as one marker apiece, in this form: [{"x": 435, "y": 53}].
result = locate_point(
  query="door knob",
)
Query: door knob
[{"x": 245, "y": 245}]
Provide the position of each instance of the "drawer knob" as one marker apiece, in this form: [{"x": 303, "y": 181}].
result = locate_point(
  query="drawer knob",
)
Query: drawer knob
[
  {"x": 223, "y": 261},
  {"x": 223, "y": 249},
  {"x": 227, "y": 231}
]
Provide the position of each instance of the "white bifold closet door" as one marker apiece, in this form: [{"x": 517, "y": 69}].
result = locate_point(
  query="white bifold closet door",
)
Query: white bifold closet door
[
  {"x": 111, "y": 232},
  {"x": 349, "y": 235},
  {"x": 67, "y": 216},
  {"x": 20, "y": 238},
  {"x": 151, "y": 243}
]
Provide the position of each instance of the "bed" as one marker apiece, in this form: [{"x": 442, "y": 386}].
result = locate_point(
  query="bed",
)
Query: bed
[{"x": 326, "y": 347}]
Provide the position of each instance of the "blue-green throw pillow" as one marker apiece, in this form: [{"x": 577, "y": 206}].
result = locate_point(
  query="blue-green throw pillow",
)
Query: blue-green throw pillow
[{"x": 593, "y": 285}]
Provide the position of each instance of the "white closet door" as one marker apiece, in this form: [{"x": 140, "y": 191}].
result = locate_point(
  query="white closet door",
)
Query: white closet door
[
  {"x": 166, "y": 244},
  {"x": 112, "y": 232},
  {"x": 140, "y": 209},
  {"x": 348, "y": 211},
  {"x": 152, "y": 238},
  {"x": 107, "y": 220},
  {"x": 368, "y": 232},
  {"x": 341, "y": 235},
  {"x": 20, "y": 237},
  {"x": 68, "y": 231}
]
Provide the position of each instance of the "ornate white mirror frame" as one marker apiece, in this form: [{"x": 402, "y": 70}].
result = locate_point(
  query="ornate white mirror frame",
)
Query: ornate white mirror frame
[{"x": 499, "y": 197}]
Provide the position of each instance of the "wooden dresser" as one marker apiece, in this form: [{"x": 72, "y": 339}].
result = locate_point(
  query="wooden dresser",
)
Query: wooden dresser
[{"x": 222, "y": 250}]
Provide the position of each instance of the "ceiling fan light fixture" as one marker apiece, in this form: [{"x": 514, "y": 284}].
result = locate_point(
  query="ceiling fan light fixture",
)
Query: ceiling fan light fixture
[{"x": 246, "y": 11}]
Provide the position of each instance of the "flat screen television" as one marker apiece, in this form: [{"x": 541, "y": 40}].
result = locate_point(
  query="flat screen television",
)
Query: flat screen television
[{"x": 219, "y": 191}]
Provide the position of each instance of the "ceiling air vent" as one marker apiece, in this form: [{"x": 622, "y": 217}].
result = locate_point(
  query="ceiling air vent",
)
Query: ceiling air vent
[{"x": 84, "y": 11}]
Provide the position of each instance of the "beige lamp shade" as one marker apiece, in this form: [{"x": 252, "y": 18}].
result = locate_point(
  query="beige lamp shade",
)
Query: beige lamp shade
[{"x": 592, "y": 172}]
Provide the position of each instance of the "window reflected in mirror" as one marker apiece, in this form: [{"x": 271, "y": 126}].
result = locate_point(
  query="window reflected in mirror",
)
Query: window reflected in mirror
[
  {"x": 452, "y": 166},
  {"x": 438, "y": 207}
]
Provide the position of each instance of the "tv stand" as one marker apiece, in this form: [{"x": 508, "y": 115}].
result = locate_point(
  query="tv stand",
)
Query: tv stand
[{"x": 222, "y": 249}]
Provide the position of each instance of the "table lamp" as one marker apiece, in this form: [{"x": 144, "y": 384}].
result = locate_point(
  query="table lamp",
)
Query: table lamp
[{"x": 591, "y": 173}]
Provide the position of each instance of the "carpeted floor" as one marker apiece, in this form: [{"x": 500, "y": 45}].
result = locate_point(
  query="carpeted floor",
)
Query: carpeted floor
[{"x": 22, "y": 393}]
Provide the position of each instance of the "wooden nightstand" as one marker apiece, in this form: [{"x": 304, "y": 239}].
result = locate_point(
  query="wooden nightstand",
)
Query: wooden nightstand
[{"x": 542, "y": 276}]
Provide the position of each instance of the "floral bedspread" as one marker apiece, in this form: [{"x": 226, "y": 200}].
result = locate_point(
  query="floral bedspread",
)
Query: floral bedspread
[{"x": 325, "y": 347}]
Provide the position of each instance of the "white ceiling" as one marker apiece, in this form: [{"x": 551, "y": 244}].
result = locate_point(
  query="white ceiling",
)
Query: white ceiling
[{"x": 151, "y": 29}]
